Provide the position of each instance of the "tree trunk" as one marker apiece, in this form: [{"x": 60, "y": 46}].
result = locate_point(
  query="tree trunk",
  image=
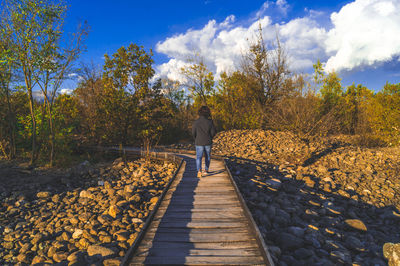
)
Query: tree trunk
[
  {"x": 11, "y": 121},
  {"x": 32, "y": 110}
]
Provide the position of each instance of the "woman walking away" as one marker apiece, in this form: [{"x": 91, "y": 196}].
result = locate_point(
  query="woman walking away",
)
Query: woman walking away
[{"x": 203, "y": 131}]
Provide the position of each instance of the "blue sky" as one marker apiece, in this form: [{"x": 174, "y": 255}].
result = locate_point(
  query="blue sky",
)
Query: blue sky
[{"x": 356, "y": 38}]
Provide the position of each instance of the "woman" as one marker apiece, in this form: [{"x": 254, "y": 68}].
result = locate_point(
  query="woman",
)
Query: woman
[{"x": 203, "y": 131}]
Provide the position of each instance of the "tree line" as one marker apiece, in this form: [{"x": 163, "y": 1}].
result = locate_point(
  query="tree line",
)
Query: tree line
[{"x": 122, "y": 102}]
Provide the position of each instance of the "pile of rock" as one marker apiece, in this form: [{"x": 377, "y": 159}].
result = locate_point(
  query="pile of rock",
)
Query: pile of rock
[
  {"x": 92, "y": 215},
  {"x": 260, "y": 145},
  {"x": 326, "y": 202},
  {"x": 332, "y": 164},
  {"x": 305, "y": 225}
]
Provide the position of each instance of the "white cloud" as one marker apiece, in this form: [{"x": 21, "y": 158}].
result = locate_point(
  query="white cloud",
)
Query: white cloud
[
  {"x": 362, "y": 33},
  {"x": 365, "y": 32},
  {"x": 283, "y": 6},
  {"x": 66, "y": 91},
  {"x": 222, "y": 44}
]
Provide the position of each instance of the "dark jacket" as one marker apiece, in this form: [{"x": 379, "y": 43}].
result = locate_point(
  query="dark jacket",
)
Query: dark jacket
[{"x": 203, "y": 131}]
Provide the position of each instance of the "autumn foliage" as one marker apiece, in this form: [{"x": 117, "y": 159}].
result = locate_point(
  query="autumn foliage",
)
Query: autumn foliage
[{"x": 122, "y": 103}]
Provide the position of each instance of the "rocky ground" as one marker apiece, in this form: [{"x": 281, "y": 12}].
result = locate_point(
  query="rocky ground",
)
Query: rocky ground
[
  {"x": 84, "y": 215},
  {"x": 326, "y": 202}
]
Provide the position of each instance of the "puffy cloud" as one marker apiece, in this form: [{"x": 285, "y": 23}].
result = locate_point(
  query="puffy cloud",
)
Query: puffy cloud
[
  {"x": 362, "y": 33},
  {"x": 66, "y": 91},
  {"x": 365, "y": 32}
]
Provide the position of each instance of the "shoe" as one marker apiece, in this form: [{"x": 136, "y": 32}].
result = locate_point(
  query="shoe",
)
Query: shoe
[{"x": 199, "y": 174}]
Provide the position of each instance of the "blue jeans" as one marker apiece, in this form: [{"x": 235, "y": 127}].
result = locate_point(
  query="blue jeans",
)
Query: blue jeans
[{"x": 199, "y": 156}]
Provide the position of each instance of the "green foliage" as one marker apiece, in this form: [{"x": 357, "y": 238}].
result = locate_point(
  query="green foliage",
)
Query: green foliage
[
  {"x": 384, "y": 114},
  {"x": 200, "y": 81}
]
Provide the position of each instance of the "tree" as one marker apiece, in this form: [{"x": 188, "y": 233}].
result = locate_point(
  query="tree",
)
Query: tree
[
  {"x": 54, "y": 67},
  {"x": 7, "y": 73},
  {"x": 268, "y": 68},
  {"x": 126, "y": 78},
  {"x": 199, "y": 80},
  {"x": 384, "y": 114},
  {"x": 233, "y": 107},
  {"x": 35, "y": 30},
  {"x": 354, "y": 106}
]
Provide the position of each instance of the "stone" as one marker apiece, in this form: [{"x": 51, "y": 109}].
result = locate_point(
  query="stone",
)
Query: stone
[
  {"x": 303, "y": 253},
  {"x": 289, "y": 242},
  {"x": 154, "y": 200},
  {"x": 38, "y": 259},
  {"x": 391, "y": 252},
  {"x": 112, "y": 262},
  {"x": 60, "y": 256},
  {"x": 354, "y": 243},
  {"x": 137, "y": 220},
  {"x": 356, "y": 224},
  {"x": 100, "y": 250},
  {"x": 85, "y": 194},
  {"x": 113, "y": 211},
  {"x": 43, "y": 194},
  {"x": 22, "y": 258},
  {"x": 77, "y": 234}
]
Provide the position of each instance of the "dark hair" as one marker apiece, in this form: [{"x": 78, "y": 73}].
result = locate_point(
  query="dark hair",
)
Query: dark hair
[{"x": 205, "y": 111}]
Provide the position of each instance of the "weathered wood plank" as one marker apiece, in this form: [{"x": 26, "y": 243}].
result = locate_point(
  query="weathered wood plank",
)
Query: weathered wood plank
[
  {"x": 202, "y": 260},
  {"x": 199, "y": 231},
  {"x": 202, "y": 215},
  {"x": 200, "y": 197},
  {"x": 198, "y": 238},
  {"x": 174, "y": 208},
  {"x": 188, "y": 246},
  {"x": 197, "y": 224},
  {"x": 165, "y": 252}
]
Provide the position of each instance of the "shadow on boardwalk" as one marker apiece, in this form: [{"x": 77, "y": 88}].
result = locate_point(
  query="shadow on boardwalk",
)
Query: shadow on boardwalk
[{"x": 179, "y": 248}]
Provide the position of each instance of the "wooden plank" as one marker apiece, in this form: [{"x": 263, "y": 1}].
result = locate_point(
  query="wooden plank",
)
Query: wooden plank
[
  {"x": 207, "y": 205},
  {"x": 201, "y": 215},
  {"x": 199, "y": 231},
  {"x": 201, "y": 260},
  {"x": 173, "y": 208},
  {"x": 201, "y": 197},
  {"x": 198, "y": 238},
  {"x": 196, "y": 202},
  {"x": 188, "y": 246},
  {"x": 209, "y": 190},
  {"x": 165, "y": 252},
  {"x": 202, "y": 224}
]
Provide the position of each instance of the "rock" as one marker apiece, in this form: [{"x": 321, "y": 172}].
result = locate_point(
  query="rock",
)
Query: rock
[
  {"x": 100, "y": 250},
  {"x": 22, "y": 258},
  {"x": 38, "y": 259},
  {"x": 392, "y": 253},
  {"x": 55, "y": 198},
  {"x": 342, "y": 256},
  {"x": 137, "y": 220},
  {"x": 60, "y": 256},
  {"x": 297, "y": 231},
  {"x": 77, "y": 234},
  {"x": 274, "y": 183},
  {"x": 303, "y": 253},
  {"x": 85, "y": 194},
  {"x": 154, "y": 200},
  {"x": 289, "y": 242},
  {"x": 354, "y": 243},
  {"x": 356, "y": 224},
  {"x": 112, "y": 262},
  {"x": 43, "y": 194},
  {"x": 113, "y": 211},
  {"x": 104, "y": 219}
]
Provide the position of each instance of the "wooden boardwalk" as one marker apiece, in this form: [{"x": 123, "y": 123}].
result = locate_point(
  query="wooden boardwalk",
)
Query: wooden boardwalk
[{"x": 200, "y": 221}]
